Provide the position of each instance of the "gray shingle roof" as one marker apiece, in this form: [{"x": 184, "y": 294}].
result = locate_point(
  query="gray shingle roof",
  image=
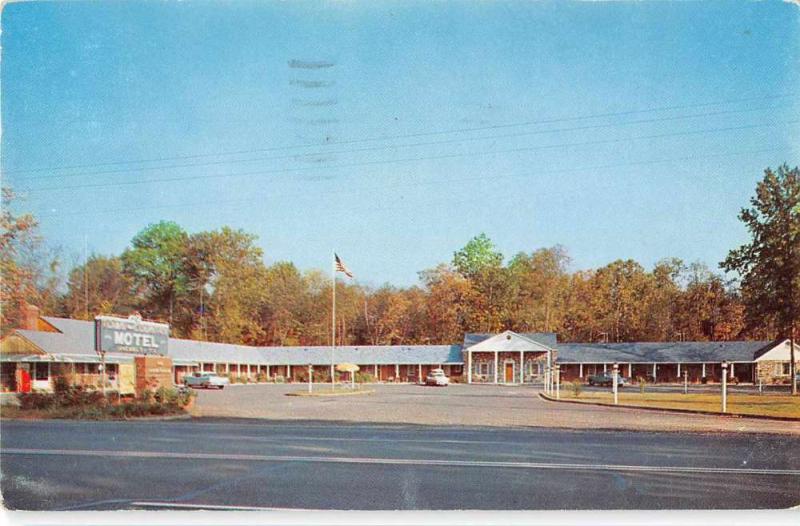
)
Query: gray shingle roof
[
  {"x": 78, "y": 337},
  {"x": 659, "y": 352}
]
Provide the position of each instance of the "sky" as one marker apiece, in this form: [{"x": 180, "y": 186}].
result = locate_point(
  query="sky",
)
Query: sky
[{"x": 394, "y": 132}]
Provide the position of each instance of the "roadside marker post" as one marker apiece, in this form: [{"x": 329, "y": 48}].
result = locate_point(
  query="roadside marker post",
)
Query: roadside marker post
[
  {"x": 310, "y": 377},
  {"x": 614, "y": 383},
  {"x": 724, "y": 387},
  {"x": 685, "y": 382}
]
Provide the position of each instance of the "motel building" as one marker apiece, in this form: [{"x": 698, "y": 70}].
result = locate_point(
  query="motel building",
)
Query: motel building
[{"x": 136, "y": 354}]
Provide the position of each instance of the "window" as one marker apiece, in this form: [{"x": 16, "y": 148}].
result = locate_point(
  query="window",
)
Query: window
[
  {"x": 40, "y": 372},
  {"x": 783, "y": 368}
]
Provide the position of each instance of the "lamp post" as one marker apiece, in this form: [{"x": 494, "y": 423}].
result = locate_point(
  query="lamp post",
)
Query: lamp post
[
  {"x": 615, "y": 379},
  {"x": 724, "y": 387}
]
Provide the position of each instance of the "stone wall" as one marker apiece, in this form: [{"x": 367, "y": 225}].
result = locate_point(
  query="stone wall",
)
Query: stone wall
[{"x": 769, "y": 372}]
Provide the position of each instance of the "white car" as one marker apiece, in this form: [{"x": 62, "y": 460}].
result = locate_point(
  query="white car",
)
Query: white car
[
  {"x": 437, "y": 377},
  {"x": 206, "y": 380}
]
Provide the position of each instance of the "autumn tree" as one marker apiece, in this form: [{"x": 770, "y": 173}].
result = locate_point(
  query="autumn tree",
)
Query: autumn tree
[
  {"x": 769, "y": 265},
  {"x": 108, "y": 290},
  {"x": 29, "y": 272}
]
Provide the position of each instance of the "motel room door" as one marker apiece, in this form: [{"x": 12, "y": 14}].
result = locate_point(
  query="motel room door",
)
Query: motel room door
[{"x": 509, "y": 377}]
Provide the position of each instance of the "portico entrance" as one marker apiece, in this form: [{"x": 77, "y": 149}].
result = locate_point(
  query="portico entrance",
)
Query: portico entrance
[{"x": 505, "y": 357}]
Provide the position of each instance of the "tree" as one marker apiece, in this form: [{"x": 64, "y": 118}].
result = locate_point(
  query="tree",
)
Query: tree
[
  {"x": 29, "y": 272},
  {"x": 478, "y": 254},
  {"x": 155, "y": 264},
  {"x": 109, "y": 289},
  {"x": 226, "y": 264},
  {"x": 769, "y": 265}
]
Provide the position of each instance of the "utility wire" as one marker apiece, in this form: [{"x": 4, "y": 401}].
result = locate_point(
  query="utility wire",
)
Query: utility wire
[
  {"x": 408, "y": 135},
  {"x": 196, "y": 178},
  {"x": 393, "y": 147},
  {"x": 218, "y": 203}
]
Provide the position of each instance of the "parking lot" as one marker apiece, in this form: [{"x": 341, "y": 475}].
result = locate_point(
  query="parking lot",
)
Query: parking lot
[{"x": 469, "y": 405}]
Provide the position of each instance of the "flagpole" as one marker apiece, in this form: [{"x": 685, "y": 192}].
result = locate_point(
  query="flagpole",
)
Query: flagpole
[{"x": 333, "y": 319}]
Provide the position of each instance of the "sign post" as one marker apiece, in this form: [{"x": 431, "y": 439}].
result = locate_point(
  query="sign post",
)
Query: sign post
[
  {"x": 724, "y": 387},
  {"x": 614, "y": 382}
]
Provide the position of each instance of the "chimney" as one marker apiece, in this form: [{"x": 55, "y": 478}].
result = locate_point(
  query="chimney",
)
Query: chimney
[{"x": 30, "y": 317}]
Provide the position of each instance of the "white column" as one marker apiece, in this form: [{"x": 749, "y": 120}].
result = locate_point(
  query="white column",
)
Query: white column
[
  {"x": 469, "y": 367},
  {"x": 704, "y": 370},
  {"x": 732, "y": 371},
  {"x": 605, "y": 368},
  {"x": 496, "y": 359},
  {"x": 419, "y": 370},
  {"x": 580, "y": 370},
  {"x": 521, "y": 367},
  {"x": 227, "y": 368},
  {"x": 654, "y": 373},
  {"x": 377, "y": 377},
  {"x": 630, "y": 370},
  {"x": 288, "y": 371},
  {"x": 396, "y": 372},
  {"x": 679, "y": 370},
  {"x": 267, "y": 371}
]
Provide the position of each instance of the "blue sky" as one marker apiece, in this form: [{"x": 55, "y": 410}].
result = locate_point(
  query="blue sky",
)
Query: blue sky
[{"x": 619, "y": 130}]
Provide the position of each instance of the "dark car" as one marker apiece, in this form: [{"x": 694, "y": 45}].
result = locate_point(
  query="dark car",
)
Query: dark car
[{"x": 606, "y": 380}]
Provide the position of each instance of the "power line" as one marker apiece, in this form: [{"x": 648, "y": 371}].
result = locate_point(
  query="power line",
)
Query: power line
[
  {"x": 217, "y": 203},
  {"x": 408, "y": 135},
  {"x": 409, "y": 159},
  {"x": 384, "y": 147}
]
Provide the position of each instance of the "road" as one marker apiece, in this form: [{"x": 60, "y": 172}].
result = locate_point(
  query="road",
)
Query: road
[{"x": 206, "y": 463}]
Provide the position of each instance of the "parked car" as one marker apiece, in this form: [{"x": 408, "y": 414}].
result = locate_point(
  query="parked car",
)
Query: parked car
[
  {"x": 606, "y": 379},
  {"x": 437, "y": 377},
  {"x": 205, "y": 380}
]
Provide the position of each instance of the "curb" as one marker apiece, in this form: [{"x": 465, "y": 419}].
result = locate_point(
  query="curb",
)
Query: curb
[
  {"x": 334, "y": 394},
  {"x": 671, "y": 410}
]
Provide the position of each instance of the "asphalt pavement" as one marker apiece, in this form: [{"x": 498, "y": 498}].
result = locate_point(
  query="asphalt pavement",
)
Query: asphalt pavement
[{"x": 220, "y": 463}]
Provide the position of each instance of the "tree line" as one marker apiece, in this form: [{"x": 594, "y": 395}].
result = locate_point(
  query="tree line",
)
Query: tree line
[{"x": 214, "y": 285}]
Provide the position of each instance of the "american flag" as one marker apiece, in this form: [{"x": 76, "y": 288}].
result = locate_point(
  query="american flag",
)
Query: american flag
[{"x": 341, "y": 268}]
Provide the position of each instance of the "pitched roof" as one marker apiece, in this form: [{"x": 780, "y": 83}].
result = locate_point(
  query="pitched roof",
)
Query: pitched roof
[
  {"x": 77, "y": 336},
  {"x": 659, "y": 352},
  {"x": 548, "y": 339}
]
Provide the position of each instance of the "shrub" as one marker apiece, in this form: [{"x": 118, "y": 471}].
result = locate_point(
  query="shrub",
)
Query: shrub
[
  {"x": 577, "y": 388},
  {"x": 36, "y": 400},
  {"x": 642, "y": 381},
  {"x": 261, "y": 377},
  {"x": 364, "y": 378},
  {"x": 279, "y": 379}
]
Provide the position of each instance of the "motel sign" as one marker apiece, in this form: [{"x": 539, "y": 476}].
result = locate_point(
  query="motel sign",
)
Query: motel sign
[{"x": 130, "y": 335}]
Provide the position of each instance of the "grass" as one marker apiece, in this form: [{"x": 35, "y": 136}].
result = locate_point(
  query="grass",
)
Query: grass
[
  {"x": 781, "y": 405},
  {"x": 325, "y": 390}
]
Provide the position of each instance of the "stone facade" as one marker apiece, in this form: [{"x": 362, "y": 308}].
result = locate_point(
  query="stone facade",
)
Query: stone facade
[{"x": 772, "y": 372}]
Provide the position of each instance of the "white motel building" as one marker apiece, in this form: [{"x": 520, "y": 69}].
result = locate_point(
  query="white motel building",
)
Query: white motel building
[{"x": 45, "y": 346}]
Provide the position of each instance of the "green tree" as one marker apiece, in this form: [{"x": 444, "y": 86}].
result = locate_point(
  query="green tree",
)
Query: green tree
[
  {"x": 477, "y": 255},
  {"x": 769, "y": 265},
  {"x": 155, "y": 265}
]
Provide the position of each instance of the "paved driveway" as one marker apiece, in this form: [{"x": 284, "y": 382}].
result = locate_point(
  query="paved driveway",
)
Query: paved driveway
[{"x": 470, "y": 405}]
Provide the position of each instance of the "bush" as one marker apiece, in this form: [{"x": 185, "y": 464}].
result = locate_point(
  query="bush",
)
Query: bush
[
  {"x": 577, "y": 388},
  {"x": 36, "y": 400},
  {"x": 261, "y": 377},
  {"x": 364, "y": 378}
]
